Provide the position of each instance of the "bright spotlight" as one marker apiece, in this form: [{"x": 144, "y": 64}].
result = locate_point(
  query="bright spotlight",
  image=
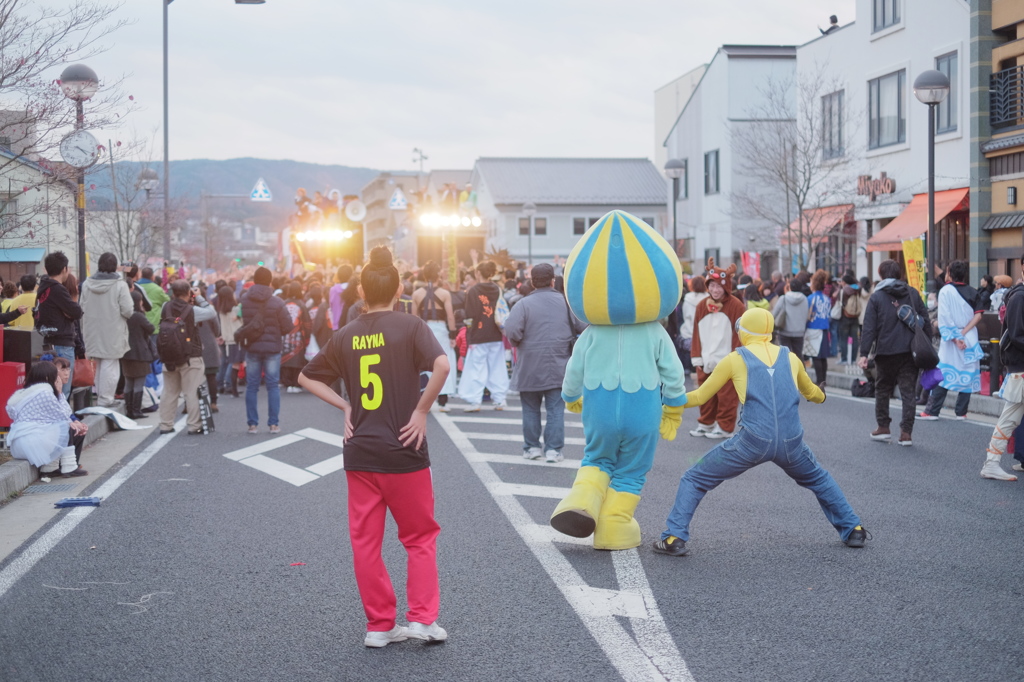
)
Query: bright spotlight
[
  {"x": 465, "y": 221},
  {"x": 300, "y": 236},
  {"x": 477, "y": 222},
  {"x": 348, "y": 234}
]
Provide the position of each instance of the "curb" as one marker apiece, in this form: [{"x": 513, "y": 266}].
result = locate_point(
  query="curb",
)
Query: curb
[
  {"x": 18, "y": 474},
  {"x": 987, "y": 405}
]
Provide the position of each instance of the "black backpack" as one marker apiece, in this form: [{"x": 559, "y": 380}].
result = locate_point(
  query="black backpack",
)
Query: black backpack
[
  {"x": 250, "y": 332},
  {"x": 921, "y": 347},
  {"x": 173, "y": 344}
]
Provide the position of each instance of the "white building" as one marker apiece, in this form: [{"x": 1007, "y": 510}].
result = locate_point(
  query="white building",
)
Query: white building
[
  {"x": 669, "y": 101},
  {"x": 879, "y": 128},
  {"x": 570, "y": 195},
  {"x": 726, "y": 102}
]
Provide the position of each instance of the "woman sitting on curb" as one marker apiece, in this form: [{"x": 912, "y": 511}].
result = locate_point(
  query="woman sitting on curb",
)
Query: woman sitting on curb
[{"x": 42, "y": 424}]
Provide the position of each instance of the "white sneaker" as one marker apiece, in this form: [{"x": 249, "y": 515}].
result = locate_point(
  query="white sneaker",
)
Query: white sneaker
[
  {"x": 717, "y": 433},
  {"x": 994, "y": 471},
  {"x": 553, "y": 457},
  {"x": 701, "y": 430},
  {"x": 376, "y": 640},
  {"x": 429, "y": 633},
  {"x": 1018, "y": 467},
  {"x": 533, "y": 453},
  {"x": 443, "y": 408},
  {"x": 499, "y": 406},
  {"x": 475, "y": 407}
]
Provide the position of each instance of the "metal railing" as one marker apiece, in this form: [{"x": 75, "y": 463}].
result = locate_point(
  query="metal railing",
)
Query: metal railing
[{"x": 1006, "y": 98}]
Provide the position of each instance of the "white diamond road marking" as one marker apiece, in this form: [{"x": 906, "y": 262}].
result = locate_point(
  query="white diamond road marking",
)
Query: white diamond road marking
[
  {"x": 648, "y": 653},
  {"x": 253, "y": 456}
]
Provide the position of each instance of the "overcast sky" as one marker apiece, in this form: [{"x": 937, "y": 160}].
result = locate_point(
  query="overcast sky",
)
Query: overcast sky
[{"x": 362, "y": 83}]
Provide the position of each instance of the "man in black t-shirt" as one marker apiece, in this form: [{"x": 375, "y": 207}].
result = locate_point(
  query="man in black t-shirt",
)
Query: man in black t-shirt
[
  {"x": 485, "y": 360},
  {"x": 379, "y": 355}
]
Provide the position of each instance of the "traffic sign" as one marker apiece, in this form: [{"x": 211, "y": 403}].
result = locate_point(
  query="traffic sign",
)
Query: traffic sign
[
  {"x": 260, "y": 192},
  {"x": 398, "y": 201}
]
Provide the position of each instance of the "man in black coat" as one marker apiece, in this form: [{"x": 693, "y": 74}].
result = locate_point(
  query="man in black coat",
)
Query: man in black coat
[
  {"x": 263, "y": 357},
  {"x": 56, "y": 312},
  {"x": 890, "y": 340}
]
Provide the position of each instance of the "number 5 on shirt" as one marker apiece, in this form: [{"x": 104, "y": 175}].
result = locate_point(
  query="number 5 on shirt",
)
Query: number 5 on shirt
[{"x": 368, "y": 379}]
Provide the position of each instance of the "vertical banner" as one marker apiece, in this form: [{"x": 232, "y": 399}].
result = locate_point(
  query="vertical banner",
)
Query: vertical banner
[
  {"x": 751, "y": 263},
  {"x": 913, "y": 256}
]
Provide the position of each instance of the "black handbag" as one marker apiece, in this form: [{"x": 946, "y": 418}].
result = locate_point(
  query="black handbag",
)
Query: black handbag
[{"x": 921, "y": 347}]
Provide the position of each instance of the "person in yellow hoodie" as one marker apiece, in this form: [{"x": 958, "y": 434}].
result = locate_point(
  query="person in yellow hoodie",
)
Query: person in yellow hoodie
[
  {"x": 769, "y": 431},
  {"x": 26, "y": 299}
]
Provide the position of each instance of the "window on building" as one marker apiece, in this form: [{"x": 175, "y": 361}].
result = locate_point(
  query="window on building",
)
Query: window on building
[
  {"x": 579, "y": 225},
  {"x": 8, "y": 212},
  {"x": 1010, "y": 164},
  {"x": 540, "y": 226},
  {"x": 887, "y": 13},
  {"x": 946, "y": 113},
  {"x": 832, "y": 125},
  {"x": 649, "y": 220},
  {"x": 715, "y": 253},
  {"x": 684, "y": 181},
  {"x": 524, "y": 226},
  {"x": 711, "y": 172},
  {"x": 887, "y": 122}
]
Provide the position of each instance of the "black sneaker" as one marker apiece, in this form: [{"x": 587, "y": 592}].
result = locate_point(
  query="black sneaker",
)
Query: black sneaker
[
  {"x": 857, "y": 537},
  {"x": 671, "y": 545}
]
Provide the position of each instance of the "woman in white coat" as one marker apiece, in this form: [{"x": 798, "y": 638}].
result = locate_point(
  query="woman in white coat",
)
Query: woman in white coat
[
  {"x": 697, "y": 293},
  {"x": 42, "y": 424}
]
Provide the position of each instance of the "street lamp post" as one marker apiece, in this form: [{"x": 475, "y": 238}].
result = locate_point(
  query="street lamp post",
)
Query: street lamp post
[
  {"x": 148, "y": 181},
  {"x": 674, "y": 169},
  {"x": 529, "y": 210},
  {"x": 79, "y": 84},
  {"x": 931, "y": 87},
  {"x": 167, "y": 162}
]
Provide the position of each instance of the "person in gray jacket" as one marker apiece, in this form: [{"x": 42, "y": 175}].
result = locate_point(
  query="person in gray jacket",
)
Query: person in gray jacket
[
  {"x": 790, "y": 313},
  {"x": 106, "y": 307},
  {"x": 541, "y": 328}
]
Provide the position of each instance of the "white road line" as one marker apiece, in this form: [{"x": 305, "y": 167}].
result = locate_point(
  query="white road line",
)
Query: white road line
[
  {"x": 323, "y": 437},
  {"x": 630, "y": 657},
  {"x": 514, "y": 437},
  {"x": 265, "y": 446},
  {"x": 328, "y": 466},
  {"x": 895, "y": 405},
  {"x": 518, "y": 459},
  {"x": 41, "y": 547},
  {"x": 507, "y": 422},
  {"x": 285, "y": 472},
  {"x": 527, "y": 490}
]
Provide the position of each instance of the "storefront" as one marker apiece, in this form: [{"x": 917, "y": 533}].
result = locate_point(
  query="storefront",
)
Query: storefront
[
  {"x": 952, "y": 226},
  {"x": 829, "y": 238}
]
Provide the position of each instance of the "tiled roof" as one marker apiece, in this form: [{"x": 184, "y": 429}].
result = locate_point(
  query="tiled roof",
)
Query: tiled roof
[
  {"x": 999, "y": 221},
  {"x": 1002, "y": 143},
  {"x": 612, "y": 182}
]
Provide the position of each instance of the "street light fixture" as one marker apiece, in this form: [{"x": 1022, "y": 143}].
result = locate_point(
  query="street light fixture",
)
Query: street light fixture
[
  {"x": 529, "y": 210},
  {"x": 79, "y": 83},
  {"x": 931, "y": 88},
  {"x": 167, "y": 162},
  {"x": 674, "y": 169}
]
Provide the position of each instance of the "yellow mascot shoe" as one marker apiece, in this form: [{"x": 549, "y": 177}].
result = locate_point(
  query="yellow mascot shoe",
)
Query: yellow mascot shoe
[
  {"x": 616, "y": 527},
  {"x": 576, "y": 515}
]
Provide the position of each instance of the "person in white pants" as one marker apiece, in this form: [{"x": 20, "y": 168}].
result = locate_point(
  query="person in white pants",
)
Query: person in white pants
[
  {"x": 106, "y": 306},
  {"x": 485, "y": 360}
]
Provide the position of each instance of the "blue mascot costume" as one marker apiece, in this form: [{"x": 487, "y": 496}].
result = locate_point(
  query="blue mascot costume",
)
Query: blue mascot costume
[{"x": 624, "y": 374}]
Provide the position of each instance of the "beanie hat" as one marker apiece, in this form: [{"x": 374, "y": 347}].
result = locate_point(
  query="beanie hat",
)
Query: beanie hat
[{"x": 263, "y": 276}]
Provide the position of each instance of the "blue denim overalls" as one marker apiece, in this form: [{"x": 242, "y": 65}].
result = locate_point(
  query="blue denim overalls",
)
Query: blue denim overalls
[{"x": 769, "y": 431}]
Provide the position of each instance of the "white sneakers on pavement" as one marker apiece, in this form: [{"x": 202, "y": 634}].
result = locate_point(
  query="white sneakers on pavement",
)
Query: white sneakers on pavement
[
  {"x": 533, "y": 453},
  {"x": 717, "y": 433},
  {"x": 553, "y": 457},
  {"x": 428, "y": 633},
  {"x": 376, "y": 640},
  {"x": 499, "y": 406},
  {"x": 701, "y": 430},
  {"x": 994, "y": 471},
  {"x": 472, "y": 407}
]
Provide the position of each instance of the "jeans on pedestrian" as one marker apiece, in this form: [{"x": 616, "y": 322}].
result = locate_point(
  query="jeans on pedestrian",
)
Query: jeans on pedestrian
[
  {"x": 732, "y": 457},
  {"x": 225, "y": 367},
  {"x": 849, "y": 328},
  {"x": 938, "y": 399},
  {"x": 68, "y": 353},
  {"x": 554, "y": 429},
  {"x": 891, "y": 370},
  {"x": 833, "y": 346},
  {"x": 256, "y": 365}
]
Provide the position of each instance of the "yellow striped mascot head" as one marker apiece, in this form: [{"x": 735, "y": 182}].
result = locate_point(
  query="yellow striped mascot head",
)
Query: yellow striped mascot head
[{"x": 622, "y": 272}]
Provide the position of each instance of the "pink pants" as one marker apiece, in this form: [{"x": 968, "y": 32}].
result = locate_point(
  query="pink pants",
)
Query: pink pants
[{"x": 410, "y": 497}]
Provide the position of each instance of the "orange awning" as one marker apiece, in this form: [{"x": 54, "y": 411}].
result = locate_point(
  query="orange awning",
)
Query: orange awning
[
  {"x": 913, "y": 221},
  {"x": 818, "y": 222}
]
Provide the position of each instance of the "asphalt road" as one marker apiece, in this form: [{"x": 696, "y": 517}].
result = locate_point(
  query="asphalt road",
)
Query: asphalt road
[{"x": 185, "y": 571}]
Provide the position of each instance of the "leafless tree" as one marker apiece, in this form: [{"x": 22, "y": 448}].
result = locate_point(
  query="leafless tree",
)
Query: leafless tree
[
  {"x": 793, "y": 161},
  {"x": 36, "y": 41}
]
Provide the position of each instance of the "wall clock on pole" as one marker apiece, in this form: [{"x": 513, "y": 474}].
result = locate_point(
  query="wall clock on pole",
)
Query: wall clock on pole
[{"x": 80, "y": 149}]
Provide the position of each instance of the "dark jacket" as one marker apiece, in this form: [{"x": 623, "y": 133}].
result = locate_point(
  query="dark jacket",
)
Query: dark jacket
[
  {"x": 882, "y": 328},
  {"x": 276, "y": 320},
  {"x": 209, "y": 331},
  {"x": 57, "y": 313},
  {"x": 140, "y": 333},
  {"x": 481, "y": 300},
  {"x": 1012, "y": 348}
]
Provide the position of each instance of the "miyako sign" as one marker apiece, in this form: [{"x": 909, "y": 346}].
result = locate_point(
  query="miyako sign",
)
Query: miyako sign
[{"x": 872, "y": 188}]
